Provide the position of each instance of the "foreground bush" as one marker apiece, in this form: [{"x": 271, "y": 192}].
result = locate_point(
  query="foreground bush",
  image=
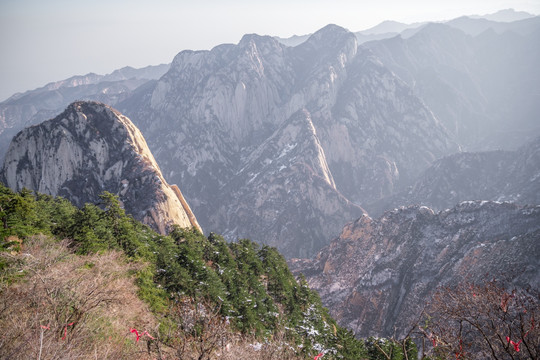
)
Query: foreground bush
[
  {"x": 486, "y": 321},
  {"x": 56, "y": 305}
]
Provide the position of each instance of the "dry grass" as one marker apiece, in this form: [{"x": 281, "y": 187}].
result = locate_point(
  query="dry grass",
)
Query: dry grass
[
  {"x": 57, "y": 305},
  {"x": 203, "y": 334},
  {"x": 253, "y": 350},
  {"x": 69, "y": 307}
]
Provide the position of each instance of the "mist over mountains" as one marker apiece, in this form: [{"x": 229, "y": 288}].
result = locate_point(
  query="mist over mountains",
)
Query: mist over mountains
[
  {"x": 472, "y": 25},
  {"x": 482, "y": 88},
  {"x": 287, "y": 144},
  {"x": 418, "y": 144}
]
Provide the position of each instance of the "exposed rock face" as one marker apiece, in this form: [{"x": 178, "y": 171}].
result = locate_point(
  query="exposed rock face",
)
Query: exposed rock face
[
  {"x": 36, "y": 106},
  {"x": 91, "y": 148},
  {"x": 378, "y": 136},
  {"x": 483, "y": 88},
  {"x": 286, "y": 190},
  {"x": 496, "y": 175},
  {"x": 273, "y": 142},
  {"x": 378, "y": 273}
]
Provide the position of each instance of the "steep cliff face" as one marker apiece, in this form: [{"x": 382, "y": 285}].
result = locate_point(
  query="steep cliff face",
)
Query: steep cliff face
[
  {"x": 286, "y": 192},
  {"x": 494, "y": 175},
  {"x": 220, "y": 117},
  {"x": 378, "y": 135},
  {"x": 91, "y": 148},
  {"x": 377, "y": 274}
]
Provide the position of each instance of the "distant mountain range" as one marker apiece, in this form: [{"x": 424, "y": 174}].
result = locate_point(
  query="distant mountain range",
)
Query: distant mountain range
[
  {"x": 492, "y": 175},
  {"x": 35, "y": 106},
  {"x": 484, "y": 88},
  {"x": 384, "y": 30},
  {"x": 472, "y": 24},
  {"x": 506, "y": 15}
]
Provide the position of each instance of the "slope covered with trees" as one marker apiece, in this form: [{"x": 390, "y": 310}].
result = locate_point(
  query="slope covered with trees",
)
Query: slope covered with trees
[{"x": 209, "y": 298}]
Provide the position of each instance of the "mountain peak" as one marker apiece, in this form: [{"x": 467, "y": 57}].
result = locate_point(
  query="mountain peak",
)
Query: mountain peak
[
  {"x": 387, "y": 26},
  {"x": 330, "y": 32},
  {"x": 91, "y": 148},
  {"x": 260, "y": 43},
  {"x": 440, "y": 31},
  {"x": 330, "y": 41},
  {"x": 249, "y": 38},
  {"x": 505, "y": 15},
  {"x": 87, "y": 107}
]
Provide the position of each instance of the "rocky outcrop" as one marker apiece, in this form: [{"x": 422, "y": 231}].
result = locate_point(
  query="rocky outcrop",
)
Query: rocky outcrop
[
  {"x": 91, "y": 148},
  {"x": 36, "y": 106},
  {"x": 349, "y": 130},
  {"x": 495, "y": 175},
  {"x": 376, "y": 276}
]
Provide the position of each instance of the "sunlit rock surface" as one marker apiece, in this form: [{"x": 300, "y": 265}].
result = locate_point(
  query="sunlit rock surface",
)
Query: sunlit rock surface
[{"x": 91, "y": 148}]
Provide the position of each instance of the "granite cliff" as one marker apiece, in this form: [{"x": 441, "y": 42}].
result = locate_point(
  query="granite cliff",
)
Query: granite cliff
[
  {"x": 91, "y": 148},
  {"x": 286, "y": 144},
  {"x": 280, "y": 143}
]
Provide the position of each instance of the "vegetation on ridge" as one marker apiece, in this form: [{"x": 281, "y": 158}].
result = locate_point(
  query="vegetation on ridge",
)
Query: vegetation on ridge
[{"x": 205, "y": 293}]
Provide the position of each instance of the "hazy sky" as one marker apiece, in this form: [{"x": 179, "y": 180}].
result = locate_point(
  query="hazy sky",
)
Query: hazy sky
[{"x": 48, "y": 40}]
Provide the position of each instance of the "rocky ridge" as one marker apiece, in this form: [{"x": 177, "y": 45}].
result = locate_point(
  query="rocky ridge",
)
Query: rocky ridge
[
  {"x": 372, "y": 118},
  {"x": 91, "y": 148},
  {"x": 285, "y": 179},
  {"x": 376, "y": 276},
  {"x": 493, "y": 175}
]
